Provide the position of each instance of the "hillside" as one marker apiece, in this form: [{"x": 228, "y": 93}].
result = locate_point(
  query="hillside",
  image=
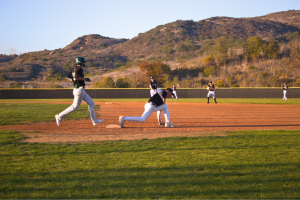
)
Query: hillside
[{"x": 177, "y": 42}]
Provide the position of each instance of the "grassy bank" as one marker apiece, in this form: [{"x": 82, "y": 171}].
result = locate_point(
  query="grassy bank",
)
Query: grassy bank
[{"x": 241, "y": 165}]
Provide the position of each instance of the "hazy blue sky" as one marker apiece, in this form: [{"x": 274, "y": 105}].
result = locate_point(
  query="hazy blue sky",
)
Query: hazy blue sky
[{"x": 34, "y": 25}]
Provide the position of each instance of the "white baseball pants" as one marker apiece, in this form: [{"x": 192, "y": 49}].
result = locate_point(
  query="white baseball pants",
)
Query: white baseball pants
[
  {"x": 79, "y": 96},
  {"x": 284, "y": 95},
  {"x": 149, "y": 109},
  {"x": 174, "y": 92},
  {"x": 211, "y": 93}
]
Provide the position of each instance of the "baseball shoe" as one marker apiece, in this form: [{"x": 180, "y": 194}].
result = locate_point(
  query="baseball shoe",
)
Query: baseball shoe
[
  {"x": 207, "y": 102},
  {"x": 57, "y": 118},
  {"x": 170, "y": 125},
  {"x": 215, "y": 102},
  {"x": 98, "y": 122},
  {"x": 121, "y": 120},
  {"x": 161, "y": 124}
]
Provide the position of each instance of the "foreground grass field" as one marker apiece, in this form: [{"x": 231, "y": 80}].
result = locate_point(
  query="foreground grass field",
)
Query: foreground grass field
[
  {"x": 18, "y": 113},
  {"x": 243, "y": 165},
  {"x": 240, "y": 165}
]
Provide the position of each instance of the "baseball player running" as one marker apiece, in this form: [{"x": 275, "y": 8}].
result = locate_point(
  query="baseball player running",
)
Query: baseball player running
[
  {"x": 79, "y": 93},
  {"x": 211, "y": 92},
  {"x": 156, "y": 103},
  {"x": 285, "y": 88},
  {"x": 174, "y": 91}
]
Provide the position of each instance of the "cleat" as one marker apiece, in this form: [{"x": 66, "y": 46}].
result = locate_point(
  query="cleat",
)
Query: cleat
[
  {"x": 170, "y": 125},
  {"x": 57, "y": 118},
  {"x": 98, "y": 122},
  {"x": 161, "y": 124},
  {"x": 207, "y": 102},
  {"x": 121, "y": 120},
  {"x": 215, "y": 102}
]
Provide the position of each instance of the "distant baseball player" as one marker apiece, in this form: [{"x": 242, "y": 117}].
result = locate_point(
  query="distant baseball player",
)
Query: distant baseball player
[
  {"x": 153, "y": 86},
  {"x": 174, "y": 91},
  {"x": 211, "y": 92},
  {"x": 79, "y": 93},
  {"x": 156, "y": 103},
  {"x": 285, "y": 88}
]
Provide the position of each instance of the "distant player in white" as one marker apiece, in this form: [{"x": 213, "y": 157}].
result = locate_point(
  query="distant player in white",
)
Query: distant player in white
[
  {"x": 211, "y": 92},
  {"x": 153, "y": 86},
  {"x": 285, "y": 88},
  {"x": 156, "y": 103},
  {"x": 174, "y": 91}
]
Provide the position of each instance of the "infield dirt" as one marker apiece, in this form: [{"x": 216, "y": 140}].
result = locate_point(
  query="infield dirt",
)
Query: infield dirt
[{"x": 192, "y": 119}]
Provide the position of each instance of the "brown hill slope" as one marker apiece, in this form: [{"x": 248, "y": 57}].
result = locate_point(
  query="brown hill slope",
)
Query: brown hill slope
[{"x": 177, "y": 41}]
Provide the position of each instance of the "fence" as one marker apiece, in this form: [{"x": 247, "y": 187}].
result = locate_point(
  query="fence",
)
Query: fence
[{"x": 145, "y": 93}]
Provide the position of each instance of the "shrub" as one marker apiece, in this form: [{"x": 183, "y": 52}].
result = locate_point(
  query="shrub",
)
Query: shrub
[
  {"x": 16, "y": 85},
  {"x": 210, "y": 71},
  {"x": 122, "y": 82},
  {"x": 106, "y": 82},
  {"x": 102, "y": 45},
  {"x": 181, "y": 48},
  {"x": 182, "y": 32},
  {"x": 2, "y": 78},
  {"x": 220, "y": 83}
]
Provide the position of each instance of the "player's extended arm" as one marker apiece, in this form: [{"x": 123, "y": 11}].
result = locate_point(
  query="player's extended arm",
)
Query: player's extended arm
[{"x": 163, "y": 99}]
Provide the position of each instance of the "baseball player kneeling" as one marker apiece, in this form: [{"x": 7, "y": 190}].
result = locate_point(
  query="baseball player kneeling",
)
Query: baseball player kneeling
[
  {"x": 156, "y": 103},
  {"x": 211, "y": 92}
]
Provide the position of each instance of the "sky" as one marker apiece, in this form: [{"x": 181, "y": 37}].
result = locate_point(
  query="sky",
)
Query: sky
[{"x": 35, "y": 25}]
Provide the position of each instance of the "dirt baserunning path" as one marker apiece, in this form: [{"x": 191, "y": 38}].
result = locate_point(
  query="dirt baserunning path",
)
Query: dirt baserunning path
[{"x": 192, "y": 119}]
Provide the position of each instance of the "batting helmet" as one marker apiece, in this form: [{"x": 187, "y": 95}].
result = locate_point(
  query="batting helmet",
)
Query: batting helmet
[{"x": 80, "y": 61}]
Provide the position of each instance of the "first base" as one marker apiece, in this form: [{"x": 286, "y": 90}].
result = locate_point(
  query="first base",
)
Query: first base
[{"x": 113, "y": 126}]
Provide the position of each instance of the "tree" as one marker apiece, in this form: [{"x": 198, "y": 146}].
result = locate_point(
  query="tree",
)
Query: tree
[
  {"x": 105, "y": 82},
  {"x": 210, "y": 71},
  {"x": 271, "y": 49},
  {"x": 209, "y": 60},
  {"x": 122, "y": 82},
  {"x": 2, "y": 78},
  {"x": 157, "y": 69},
  {"x": 220, "y": 83},
  {"x": 295, "y": 49},
  {"x": 253, "y": 46},
  {"x": 181, "y": 48},
  {"x": 220, "y": 49}
]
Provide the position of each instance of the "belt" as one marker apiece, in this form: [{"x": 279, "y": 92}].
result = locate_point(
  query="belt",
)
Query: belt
[{"x": 151, "y": 103}]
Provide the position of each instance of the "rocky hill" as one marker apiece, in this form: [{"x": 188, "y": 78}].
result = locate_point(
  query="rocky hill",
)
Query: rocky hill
[{"x": 177, "y": 42}]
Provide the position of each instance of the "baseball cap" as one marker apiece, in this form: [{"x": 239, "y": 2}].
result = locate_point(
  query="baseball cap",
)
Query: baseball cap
[
  {"x": 151, "y": 77},
  {"x": 210, "y": 81}
]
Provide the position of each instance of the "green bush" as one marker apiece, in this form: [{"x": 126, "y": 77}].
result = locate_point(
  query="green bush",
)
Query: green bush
[
  {"x": 102, "y": 45},
  {"x": 16, "y": 85},
  {"x": 210, "y": 71},
  {"x": 181, "y": 48},
  {"x": 2, "y": 78}
]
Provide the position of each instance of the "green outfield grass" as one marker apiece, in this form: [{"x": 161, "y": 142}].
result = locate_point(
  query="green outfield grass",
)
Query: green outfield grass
[
  {"x": 240, "y": 165},
  {"x": 17, "y": 113}
]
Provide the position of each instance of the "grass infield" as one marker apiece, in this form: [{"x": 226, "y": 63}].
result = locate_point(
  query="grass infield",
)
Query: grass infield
[{"x": 241, "y": 165}]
